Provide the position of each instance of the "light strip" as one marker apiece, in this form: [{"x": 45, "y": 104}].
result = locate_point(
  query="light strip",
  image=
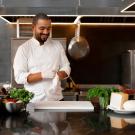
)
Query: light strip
[
  {"x": 48, "y": 15},
  {"x": 130, "y": 24},
  {"x": 122, "y": 15},
  {"x": 63, "y": 23},
  {"x": 111, "y": 24},
  {"x": 5, "y": 19},
  {"x": 51, "y": 23},
  {"x": 17, "y": 15},
  {"x": 123, "y": 11},
  {"x": 77, "y": 19}
]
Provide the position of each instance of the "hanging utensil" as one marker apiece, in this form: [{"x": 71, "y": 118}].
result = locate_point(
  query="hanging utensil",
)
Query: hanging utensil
[{"x": 78, "y": 47}]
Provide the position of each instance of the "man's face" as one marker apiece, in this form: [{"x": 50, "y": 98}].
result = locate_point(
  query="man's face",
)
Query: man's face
[{"x": 42, "y": 30}]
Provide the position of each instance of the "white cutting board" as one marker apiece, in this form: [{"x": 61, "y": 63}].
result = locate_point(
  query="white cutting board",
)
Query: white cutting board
[{"x": 66, "y": 105}]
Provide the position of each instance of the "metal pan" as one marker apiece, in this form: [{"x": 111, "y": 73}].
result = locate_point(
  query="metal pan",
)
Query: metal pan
[{"x": 78, "y": 47}]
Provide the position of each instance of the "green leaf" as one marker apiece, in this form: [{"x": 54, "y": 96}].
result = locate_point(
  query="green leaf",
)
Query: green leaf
[
  {"x": 21, "y": 94},
  {"x": 101, "y": 92}
]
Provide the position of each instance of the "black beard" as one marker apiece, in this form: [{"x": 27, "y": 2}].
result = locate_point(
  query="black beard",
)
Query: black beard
[
  {"x": 41, "y": 43},
  {"x": 40, "y": 39}
]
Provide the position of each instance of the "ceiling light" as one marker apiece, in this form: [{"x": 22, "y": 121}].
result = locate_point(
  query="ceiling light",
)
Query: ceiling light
[
  {"x": 5, "y": 19},
  {"x": 129, "y": 9}
]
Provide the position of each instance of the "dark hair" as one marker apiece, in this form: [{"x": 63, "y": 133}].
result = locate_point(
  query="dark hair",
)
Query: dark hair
[{"x": 39, "y": 16}]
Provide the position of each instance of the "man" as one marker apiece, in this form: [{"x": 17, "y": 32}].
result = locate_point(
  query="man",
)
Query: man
[{"x": 40, "y": 63}]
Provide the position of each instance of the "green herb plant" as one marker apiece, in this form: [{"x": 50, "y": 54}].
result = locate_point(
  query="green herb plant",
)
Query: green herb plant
[
  {"x": 21, "y": 94},
  {"x": 102, "y": 93}
]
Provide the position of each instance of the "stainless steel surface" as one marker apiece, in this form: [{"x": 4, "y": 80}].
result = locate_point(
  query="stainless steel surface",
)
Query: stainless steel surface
[
  {"x": 87, "y": 86},
  {"x": 128, "y": 69},
  {"x": 78, "y": 49},
  {"x": 64, "y": 7},
  {"x": 6, "y": 32}
]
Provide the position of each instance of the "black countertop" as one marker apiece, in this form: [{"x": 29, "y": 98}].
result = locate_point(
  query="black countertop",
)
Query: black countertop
[{"x": 67, "y": 123}]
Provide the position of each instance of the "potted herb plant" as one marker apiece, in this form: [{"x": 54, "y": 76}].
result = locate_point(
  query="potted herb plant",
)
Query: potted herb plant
[{"x": 102, "y": 94}]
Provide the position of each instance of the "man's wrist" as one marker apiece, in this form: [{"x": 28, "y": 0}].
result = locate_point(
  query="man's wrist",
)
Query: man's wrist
[
  {"x": 48, "y": 74},
  {"x": 43, "y": 75}
]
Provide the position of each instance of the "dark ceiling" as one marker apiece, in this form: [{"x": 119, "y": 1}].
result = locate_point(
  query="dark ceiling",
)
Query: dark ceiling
[{"x": 65, "y": 7}]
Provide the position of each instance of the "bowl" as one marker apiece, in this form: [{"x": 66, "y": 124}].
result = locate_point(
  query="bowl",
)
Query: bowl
[
  {"x": 129, "y": 105},
  {"x": 2, "y": 96},
  {"x": 129, "y": 91},
  {"x": 14, "y": 107}
]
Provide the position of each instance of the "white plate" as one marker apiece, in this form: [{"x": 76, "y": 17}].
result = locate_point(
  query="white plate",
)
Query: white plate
[{"x": 122, "y": 111}]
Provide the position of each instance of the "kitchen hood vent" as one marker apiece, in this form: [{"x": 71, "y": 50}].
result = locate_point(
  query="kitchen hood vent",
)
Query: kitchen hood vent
[
  {"x": 71, "y": 19},
  {"x": 129, "y": 9},
  {"x": 22, "y": 19},
  {"x": 28, "y": 19},
  {"x": 63, "y": 19},
  {"x": 107, "y": 19}
]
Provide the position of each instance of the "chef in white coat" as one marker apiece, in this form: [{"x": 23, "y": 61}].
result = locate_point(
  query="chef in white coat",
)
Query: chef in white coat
[{"x": 40, "y": 63}]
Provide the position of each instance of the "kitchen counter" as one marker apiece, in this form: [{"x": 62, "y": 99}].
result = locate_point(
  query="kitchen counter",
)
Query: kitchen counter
[{"x": 67, "y": 123}]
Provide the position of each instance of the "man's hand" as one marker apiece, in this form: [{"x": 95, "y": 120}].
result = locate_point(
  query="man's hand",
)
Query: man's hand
[{"x": 62, "y": 74}]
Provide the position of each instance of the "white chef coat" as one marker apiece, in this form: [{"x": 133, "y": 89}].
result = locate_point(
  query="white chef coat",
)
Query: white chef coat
[{"x": 32, "y": 58}]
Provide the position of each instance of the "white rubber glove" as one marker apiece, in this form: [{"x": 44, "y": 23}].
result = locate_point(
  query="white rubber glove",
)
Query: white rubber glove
[{"x": 48, "y": 74}]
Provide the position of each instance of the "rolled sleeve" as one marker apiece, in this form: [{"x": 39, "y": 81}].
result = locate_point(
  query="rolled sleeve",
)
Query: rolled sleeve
[
  {"x": 20, "y": 67},
  {"x": 64, "y": 63},
  {"x": 67, "y": 69},
  {"x": 21, "y": 78}
]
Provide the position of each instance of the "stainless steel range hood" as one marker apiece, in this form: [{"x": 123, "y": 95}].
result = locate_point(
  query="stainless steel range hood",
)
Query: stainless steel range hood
[
  {"x": 63, "y": 7},
  {"x": 63, "y": 11}
]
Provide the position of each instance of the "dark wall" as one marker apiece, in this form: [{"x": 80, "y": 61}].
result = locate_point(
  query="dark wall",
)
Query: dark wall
[
  {"x": 107, "y": 43},
  {"x": 103, "y": 64}
]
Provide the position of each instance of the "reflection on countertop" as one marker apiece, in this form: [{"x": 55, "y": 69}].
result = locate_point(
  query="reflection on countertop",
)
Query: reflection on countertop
[
  {"x": 67, "y": 123},
  {"x": 121, "y": 120}
]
